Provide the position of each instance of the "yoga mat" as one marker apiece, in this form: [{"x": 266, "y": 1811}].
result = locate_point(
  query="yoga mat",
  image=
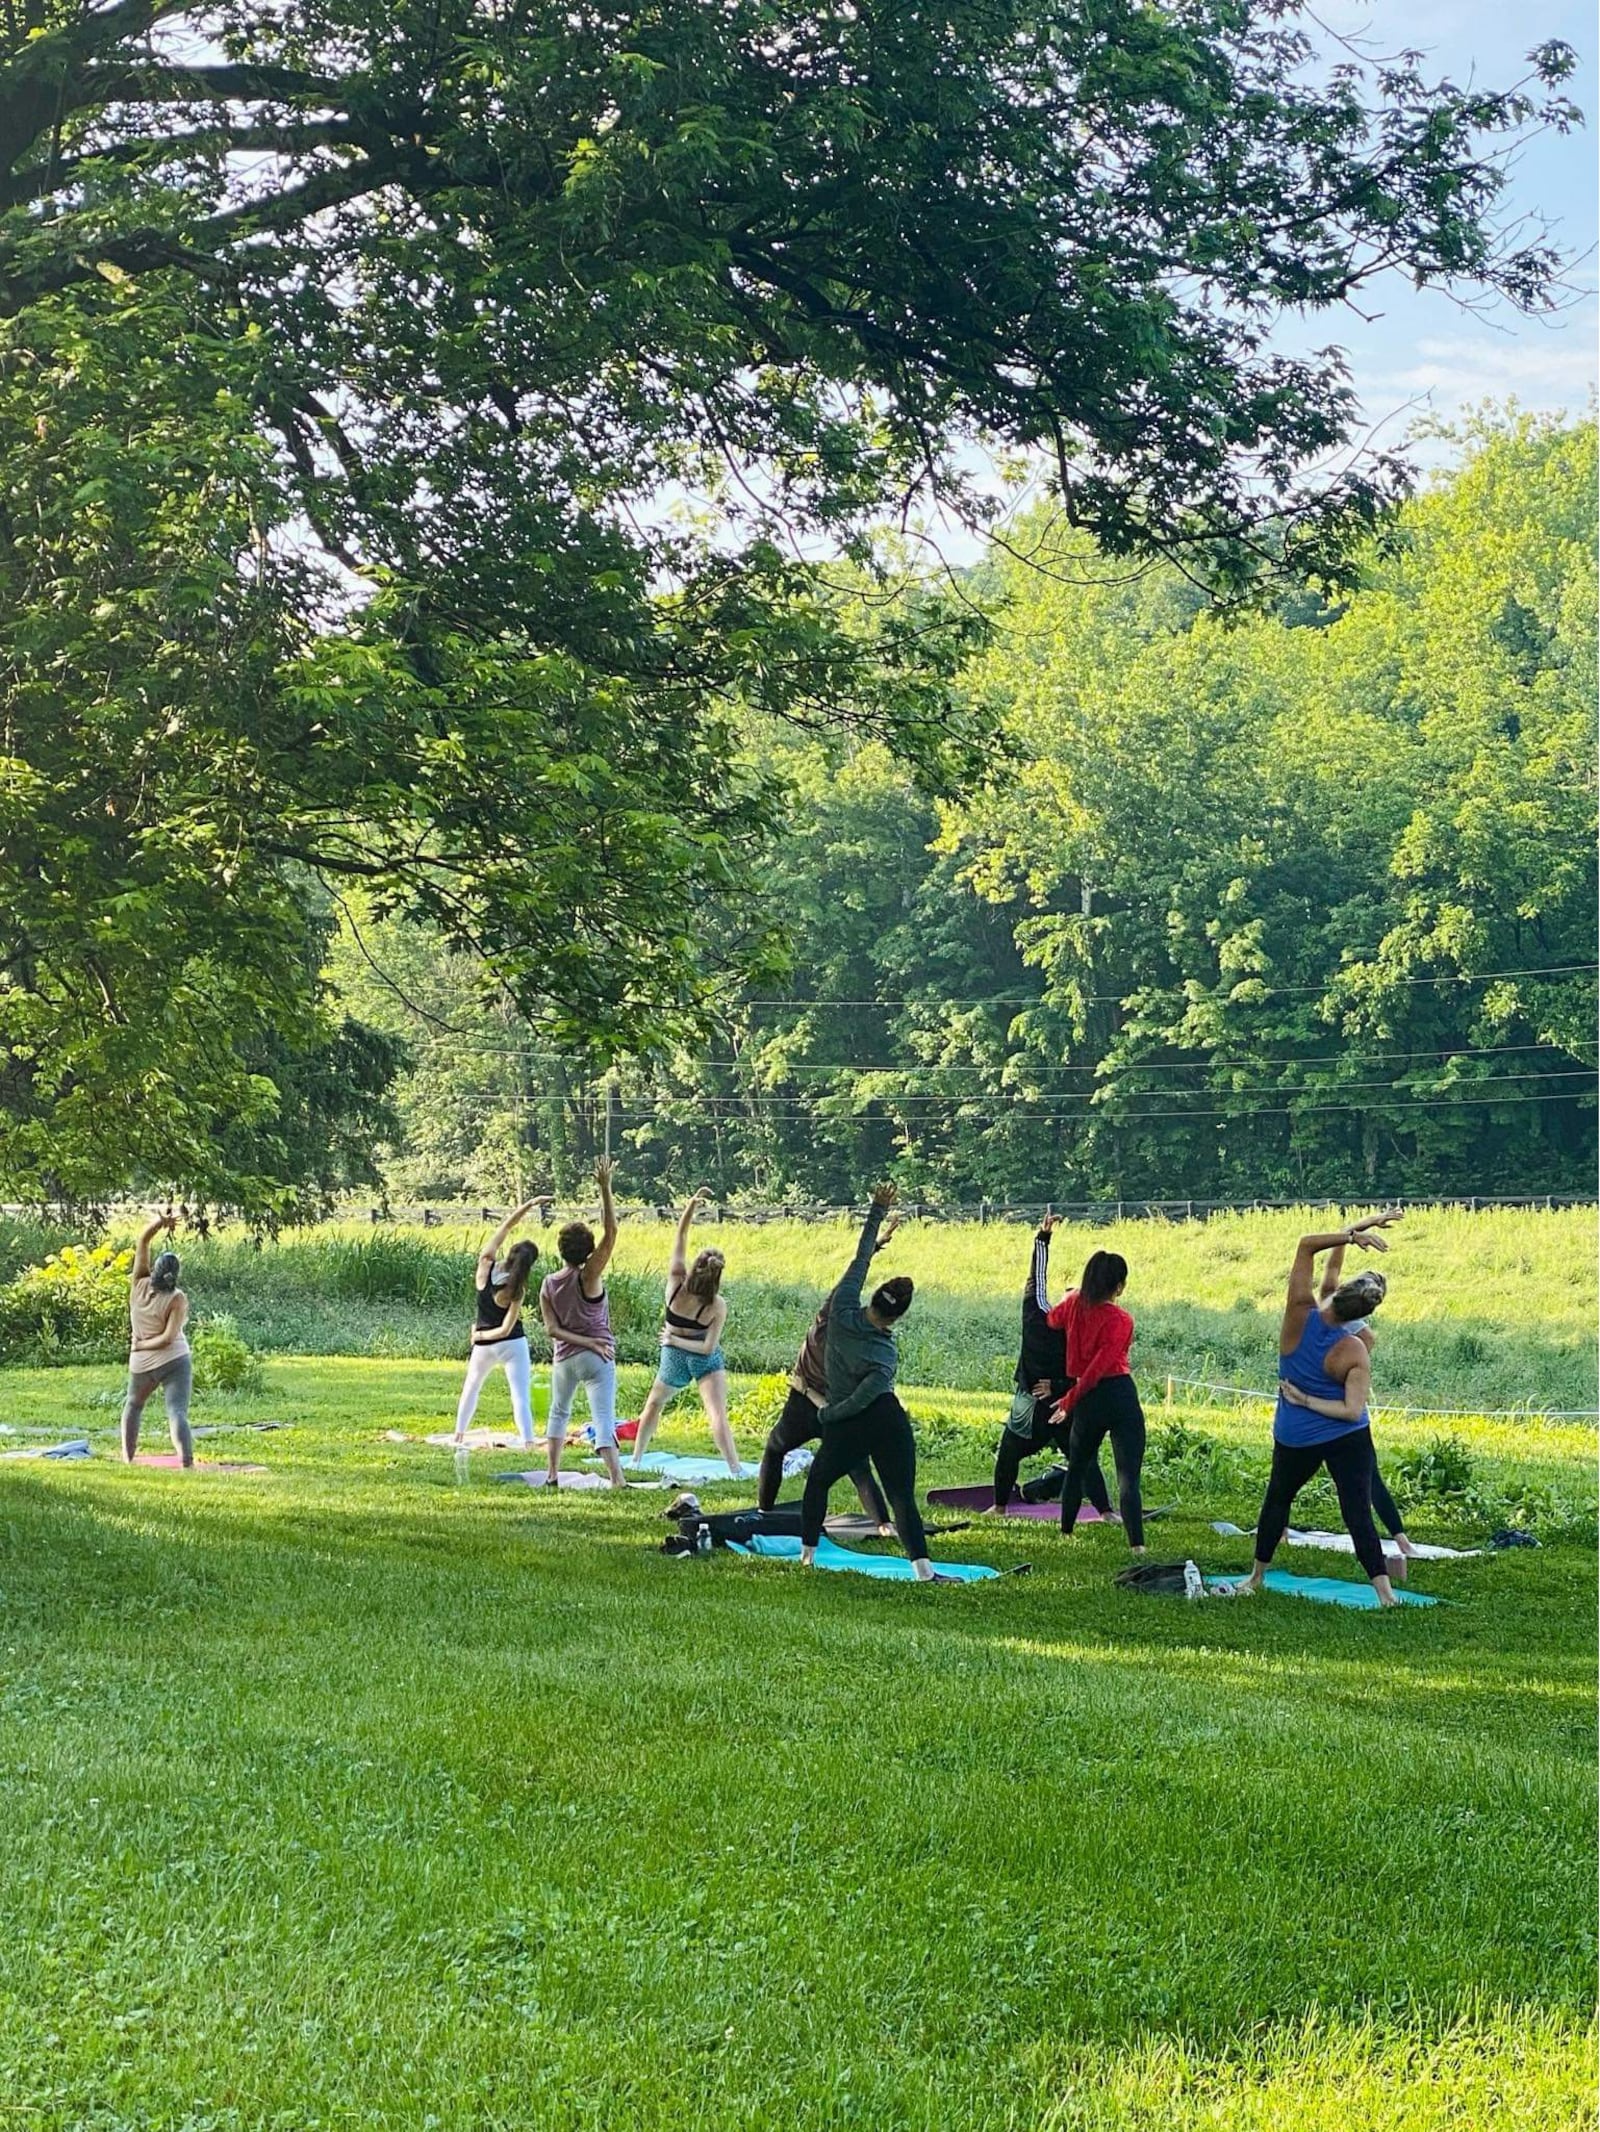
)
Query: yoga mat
[
  {"x": 78, "y": 1447},
  {"x": 981, "y": 1498},
  {"x": 831, "y": 1556},
  {"x": 673, "y": 1468},
  {"x": 1340, "y": 1543},
  {"x": 537, "y": 1479},
  {"x": 478, "y": 1440},
  {"x": 1327, "y": 1591}
]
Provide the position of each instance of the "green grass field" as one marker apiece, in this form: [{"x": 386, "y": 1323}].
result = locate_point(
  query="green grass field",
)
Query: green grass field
[{"x": 353, "y": 1795}]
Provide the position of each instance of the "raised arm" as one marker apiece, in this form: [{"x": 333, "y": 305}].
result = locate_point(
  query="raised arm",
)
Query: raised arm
[
  {"x": 1332, "y": 1272},
  {"x": 1302, "y": 1295},
  {"x": 147, "y": 1236},
  {"x": 600, "y": 1257},
  {"x": 1036, "y": 1290},
  {"x": 679, "y": 1264},
  {"x": 849, "y": 1288},
  {"x": 496, "y": 1243}
]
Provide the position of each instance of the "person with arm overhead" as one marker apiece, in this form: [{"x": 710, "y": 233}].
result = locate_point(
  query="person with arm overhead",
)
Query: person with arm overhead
[
  {"x": 499, "y": 1340},
  {"x": 863, "y": 1418},
  {"x": 1033, "y": 1424},
  {"x": 158, "y": 1350},
  {"x": 1384, "y": 1506},
  {"x": 691, "y": 1341},
  {"x": 1325, "y": 1372},
  {"x": 576, "y": 1312},
  {"x": 798, "y": 1423},
  {"x": 1102, "y": 1398}
]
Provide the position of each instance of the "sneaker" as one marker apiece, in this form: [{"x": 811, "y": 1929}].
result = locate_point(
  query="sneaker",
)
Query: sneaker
[{"x": 684, "y": 1505}]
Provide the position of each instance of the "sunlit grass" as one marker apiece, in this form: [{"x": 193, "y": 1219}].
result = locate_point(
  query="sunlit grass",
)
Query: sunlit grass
[
  {"x": 353, "y": 1795},
  {"x": 1487, "y": 1311}
]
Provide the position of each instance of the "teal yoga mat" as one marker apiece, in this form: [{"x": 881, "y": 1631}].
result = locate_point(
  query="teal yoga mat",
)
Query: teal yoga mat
[
  {"x": 1328, "y": 1591},
  {"x": 831, "y": 1556},
  {"x": 673, "y": 1468}
]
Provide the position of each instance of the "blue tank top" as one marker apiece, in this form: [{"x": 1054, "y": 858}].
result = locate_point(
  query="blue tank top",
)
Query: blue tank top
[{"x": 1306, "y": 1370}]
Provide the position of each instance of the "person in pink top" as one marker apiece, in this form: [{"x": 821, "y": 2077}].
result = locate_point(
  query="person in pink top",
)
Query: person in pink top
[
  {"x": 1102, "y": 1398},
  {"x": 577, "y": 1316},
  {"x": 158, "y": 1352}
]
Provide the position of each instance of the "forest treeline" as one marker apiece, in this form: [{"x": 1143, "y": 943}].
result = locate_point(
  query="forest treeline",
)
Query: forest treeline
[{"x": 1295, "y": 903}]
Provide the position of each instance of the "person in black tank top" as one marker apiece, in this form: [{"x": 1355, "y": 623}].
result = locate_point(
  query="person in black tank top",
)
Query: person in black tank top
[{"x": 498, "y": 1338}]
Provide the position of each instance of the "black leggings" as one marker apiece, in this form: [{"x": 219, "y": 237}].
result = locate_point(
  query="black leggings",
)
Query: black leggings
[
  {"x": 881, "y": 1432},
  {"x": 1351, "y": 1463},
  {"x": 797, "y": 1425},
  {"x": 1045, "y": 1433},
  {"x": 1383, "y": 1503},
  {"x": 1109, "y": 1408}
]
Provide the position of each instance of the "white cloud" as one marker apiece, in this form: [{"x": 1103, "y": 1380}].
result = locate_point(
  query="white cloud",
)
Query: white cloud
[{"x": 1552, "y": 371}]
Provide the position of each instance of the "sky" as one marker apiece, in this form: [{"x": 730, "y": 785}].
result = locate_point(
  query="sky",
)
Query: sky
[{"x": 1424, "y": 355}]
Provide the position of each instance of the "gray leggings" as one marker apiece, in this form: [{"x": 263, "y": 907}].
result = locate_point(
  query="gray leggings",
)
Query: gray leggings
[{"x": 175, "y": 1380}]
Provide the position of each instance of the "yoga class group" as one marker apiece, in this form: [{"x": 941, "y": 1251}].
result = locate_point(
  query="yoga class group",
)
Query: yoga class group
[{"x": 1074, "y": 1385}]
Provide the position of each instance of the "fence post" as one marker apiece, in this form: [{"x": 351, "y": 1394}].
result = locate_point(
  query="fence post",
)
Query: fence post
[{"x": 1169, "y": 1391}]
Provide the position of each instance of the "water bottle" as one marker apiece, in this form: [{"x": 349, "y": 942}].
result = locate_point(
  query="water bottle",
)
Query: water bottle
[{"x": 1194, "y": 1585}]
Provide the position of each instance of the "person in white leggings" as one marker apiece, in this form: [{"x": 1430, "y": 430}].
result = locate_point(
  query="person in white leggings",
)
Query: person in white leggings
[
  {"x": 498, "y": 1338},
  {"x": 577, "y": 1316}
]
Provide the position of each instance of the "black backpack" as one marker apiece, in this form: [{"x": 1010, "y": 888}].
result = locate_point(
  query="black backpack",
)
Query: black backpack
[{"x": 1154, "y": 1577}]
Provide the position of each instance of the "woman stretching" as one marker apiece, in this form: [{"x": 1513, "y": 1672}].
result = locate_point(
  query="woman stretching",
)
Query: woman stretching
[
  {"x": 1032, "y": 1425},
  {"x": 577, "y": 1316},
  {"x": 498, "y": 1338},
  {"x": 1325, "y": 1373},
  {"x": 158, "y": 1353},
  {"x": 1384, "y": 1507},
  {"x": 1102, "y": 1399},
  {"x": 863, "y": 1419},
  {"x": 691, "y": 1342}
]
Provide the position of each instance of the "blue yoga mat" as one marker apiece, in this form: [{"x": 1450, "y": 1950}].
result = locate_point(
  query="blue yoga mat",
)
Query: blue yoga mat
[
  {"x": 1329, "y": 1591},
  {"x": 673, "y": 1468},
  {"x": 832, "y": 1556}
]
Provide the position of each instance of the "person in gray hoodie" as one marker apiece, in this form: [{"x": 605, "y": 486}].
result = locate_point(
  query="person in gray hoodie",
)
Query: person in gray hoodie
[{"x": 863, "y": 1419}]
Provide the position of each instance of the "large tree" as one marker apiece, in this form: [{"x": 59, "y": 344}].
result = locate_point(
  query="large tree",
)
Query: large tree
[{"x": 422, "y": 423}]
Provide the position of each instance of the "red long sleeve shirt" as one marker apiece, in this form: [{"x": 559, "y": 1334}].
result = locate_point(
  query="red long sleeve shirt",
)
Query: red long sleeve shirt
[{"x": 1099, "y": 1344}]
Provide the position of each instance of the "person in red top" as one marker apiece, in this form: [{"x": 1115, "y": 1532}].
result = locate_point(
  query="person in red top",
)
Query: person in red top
[{"x": 1102, "y": 1399}]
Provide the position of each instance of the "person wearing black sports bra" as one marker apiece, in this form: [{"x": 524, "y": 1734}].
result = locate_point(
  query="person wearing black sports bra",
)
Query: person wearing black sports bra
[
  {"x": 691, "y": 1342},
  {"x": 498, "y": 1338}
]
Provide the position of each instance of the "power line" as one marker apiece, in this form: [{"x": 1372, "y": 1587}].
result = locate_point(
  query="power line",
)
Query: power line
[
  {"x": 1073, "y": 1100},
  {"x": 1119, "y": 999},
  {"x": 1106, "y": 1117},
  {"x": 1212, "y": 1063}
]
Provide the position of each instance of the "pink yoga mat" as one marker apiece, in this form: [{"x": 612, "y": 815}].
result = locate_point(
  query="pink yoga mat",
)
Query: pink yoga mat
[{"x": 981, "y": 1498}]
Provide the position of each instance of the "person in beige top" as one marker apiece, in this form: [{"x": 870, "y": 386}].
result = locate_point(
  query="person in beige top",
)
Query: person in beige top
[{"x": 158, "y": 1356}]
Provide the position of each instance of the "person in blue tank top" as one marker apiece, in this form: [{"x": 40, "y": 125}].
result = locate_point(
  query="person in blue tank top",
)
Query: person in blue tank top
[{"x": 1325, "y": 1374}]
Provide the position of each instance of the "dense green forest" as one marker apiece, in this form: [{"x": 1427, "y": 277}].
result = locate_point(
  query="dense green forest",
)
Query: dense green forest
[
  {"x": 466, "y": 484},
  {"x": 1296, "y": 903}
]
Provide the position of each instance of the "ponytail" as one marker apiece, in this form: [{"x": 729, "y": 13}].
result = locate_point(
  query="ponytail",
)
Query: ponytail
[{"x": 1106, "y": 1272}]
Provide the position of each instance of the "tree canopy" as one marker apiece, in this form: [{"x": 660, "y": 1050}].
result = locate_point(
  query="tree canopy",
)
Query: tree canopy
[
  {"x": 443, "y": 446},
  {"x": 1298, "y": 904}
]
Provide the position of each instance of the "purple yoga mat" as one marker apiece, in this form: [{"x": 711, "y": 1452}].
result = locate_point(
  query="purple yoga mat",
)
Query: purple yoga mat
[{"x": 981, "y": 1498}]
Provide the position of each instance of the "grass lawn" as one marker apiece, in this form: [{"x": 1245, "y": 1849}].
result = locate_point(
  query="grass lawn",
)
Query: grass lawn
[{"x": 349, "y": 1795}]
